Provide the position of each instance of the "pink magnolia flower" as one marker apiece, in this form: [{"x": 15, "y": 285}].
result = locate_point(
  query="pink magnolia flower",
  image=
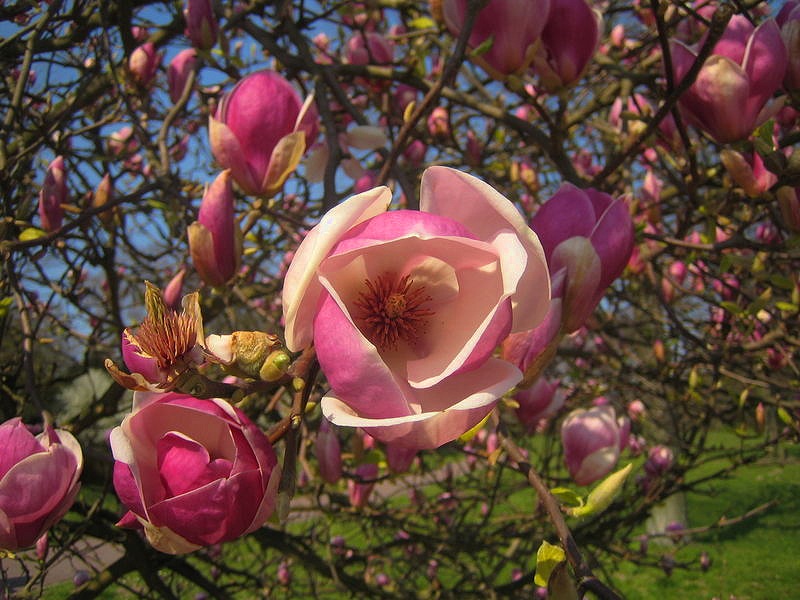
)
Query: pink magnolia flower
[
  {"x": 178, "y": 72},
  {"x": 192, "y": 472},
  {"x": 405, "y": 308},
  {"x": 53, "y": 195},
  {"x": 215, "y": 240},
  {"x": 201, "y": 23},
  {"x": 587, "y": 237},
  {"x": 261, "y": 130},
  {"x": 38, "y": 481},
  {"x": 143, "y": 63},
  {"x": 513, "y": 26},
  {"x": 538, "y": 402},
  {"x": 731, "y": 95},
  {"x": 569, "y": 41},
  {"x": 592, "y": 442}
]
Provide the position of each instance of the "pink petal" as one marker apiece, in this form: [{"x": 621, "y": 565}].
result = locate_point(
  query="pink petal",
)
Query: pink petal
[
  {"x": 442, "y": 419},
  {"x": 765, "y": 62},
  {"x": 487, "y": 213},
  {"x": 301, "y": 290},
  {"x": 17, "y": 443},
  {"x": 185, "y": 465}
]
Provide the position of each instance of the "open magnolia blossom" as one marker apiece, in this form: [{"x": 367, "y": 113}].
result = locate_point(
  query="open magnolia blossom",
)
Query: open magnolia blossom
[{"x": 406, "y": 308}]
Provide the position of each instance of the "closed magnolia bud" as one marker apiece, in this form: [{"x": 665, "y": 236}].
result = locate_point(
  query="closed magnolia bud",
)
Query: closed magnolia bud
[
  {"x": 760, "y": 416},
  {"x": 329, "y": 452},
  {"x": 201, "y": 23},
  {"x": 53, "y": 195},
  {"x": 789, "y": 203},
  {"x": 360, "y": 490},
  {"x": 178, "y": 72},
  {"x": 507, "y": 31},
  {"x": 143, "y": 64},
  {"x": 732, "y": 94},
  {"x": 215, "y": 240},
  {"x": 261, "y": 130},
  {"x": 439, "y": 123},
  {"x": 569, "y": 41},
  {"x": 591, "y": 440}
]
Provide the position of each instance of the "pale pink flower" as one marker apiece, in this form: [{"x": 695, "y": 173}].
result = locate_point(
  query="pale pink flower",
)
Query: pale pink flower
[
  {"x": 405, "y": 308},
  {"x": 38, "y": 481},
  {"x": 192, "y": 472}
]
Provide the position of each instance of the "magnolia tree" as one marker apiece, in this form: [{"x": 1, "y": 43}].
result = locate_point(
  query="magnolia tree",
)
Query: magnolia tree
[{"x": 388, "y": 298}]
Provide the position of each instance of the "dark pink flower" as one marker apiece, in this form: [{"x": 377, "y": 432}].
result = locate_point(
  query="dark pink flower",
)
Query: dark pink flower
[
  {"x": 192, "y": 472},
  {"x": 261, "y": 130},
  {"x": 38, "y": 481},
  {"x": 512, "y": 27},
  {"x": 731, "y": 95}
]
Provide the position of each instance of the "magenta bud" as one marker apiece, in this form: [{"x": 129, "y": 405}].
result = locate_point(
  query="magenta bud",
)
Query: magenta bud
[
  {"x": 178, "y": 72},
  {"x": 659, "y": 460},
  {"x": 201, "y": 24},
  {"x": 80, "y": 577},
  {"x": 399, "y": 458},
  {"x": 569, "y": 41},
  {"x": 732, "y": 94},
  {"x": 538, "y": 402},
  {"x": 42, "y": 547},
  {"x": 173, "y": 290},
  {"x": 284, "y": 574},
  {"x": 510, "y": 28},
  {"x": 215, "y": 240},
  {"x": 329, "y": 452},
  {"x": 589, "y": 235},
  {"x": 369, "y": 49},
  {"x": 261, "y": 130},
  {"x": 53, "y": 195},
  {"x": 439, "y": 123}
]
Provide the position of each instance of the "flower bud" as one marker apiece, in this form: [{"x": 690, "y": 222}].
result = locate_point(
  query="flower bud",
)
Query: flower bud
[
  {"x": 329, "y": 452},
  {"x": 591, "y": 440},
  {"x": 261, "y": 130},
  {"x": 569, "y": 41},
  {"x": 201, "y": 24},
  {"x": 53, "y": 195},
  {"x": 215, "y": 240},
  {"x": 510, "y": 28},
  {"x": 439, "y": 123},
  {"x": 360, "y": 489},
  {"x": 143, "y": 64},
  {"x": 178, "y": 72},
  {"x": 659, "y": 460}
]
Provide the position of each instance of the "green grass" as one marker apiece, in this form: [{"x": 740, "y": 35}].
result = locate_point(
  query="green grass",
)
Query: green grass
[{"x": 757, "y": 558}]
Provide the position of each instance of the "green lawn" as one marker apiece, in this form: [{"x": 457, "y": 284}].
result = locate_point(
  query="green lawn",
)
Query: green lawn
[{"x": 758, "y": 558}]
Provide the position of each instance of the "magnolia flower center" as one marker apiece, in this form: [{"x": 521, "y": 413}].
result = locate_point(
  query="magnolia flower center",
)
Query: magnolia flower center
[
  {"x": 392, "y": 309},
  {"x": 167, "y": 338}
]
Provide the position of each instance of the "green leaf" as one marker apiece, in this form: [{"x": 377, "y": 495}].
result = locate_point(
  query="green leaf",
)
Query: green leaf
[
  {"x": 484, "y": 47},
  {"x": 567, "y": 496},
  {"x": 31, "y": 233},
  {"x": 5, "y": 304},
  {"x": 731, "y": 307},
  {"x": 787, "y": 306},
  {"x": 548, "y": 557},
  {"x": 601, "y": 497},
  {"x": 784, "y": 416},
  {"x": 422, "y": 23}
]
